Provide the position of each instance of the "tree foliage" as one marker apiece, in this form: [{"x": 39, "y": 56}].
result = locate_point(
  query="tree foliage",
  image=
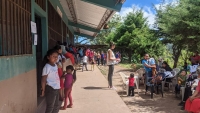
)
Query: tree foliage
[
  {"x": 179, "y": 24},
  {"x": 113, "y": 24},
  {"x": 135, "y": 37}
]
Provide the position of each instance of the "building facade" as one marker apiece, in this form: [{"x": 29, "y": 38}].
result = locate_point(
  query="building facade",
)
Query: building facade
[
  {"x": 20, "y": 59},
  {"x": 20, "y": 55}
]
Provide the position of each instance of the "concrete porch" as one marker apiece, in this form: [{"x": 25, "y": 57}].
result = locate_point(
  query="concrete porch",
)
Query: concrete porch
[{"x": 91, "y": 95}]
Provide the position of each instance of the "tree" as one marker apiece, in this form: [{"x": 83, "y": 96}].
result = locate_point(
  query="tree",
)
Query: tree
[
  {"x": 113, "y": 24},
  {"x": 135, "y": 36},
  {"x": 179, "y": 24}
]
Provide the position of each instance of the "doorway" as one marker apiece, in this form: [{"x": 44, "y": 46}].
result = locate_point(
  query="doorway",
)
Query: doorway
[{"x": 39, "y": 54}]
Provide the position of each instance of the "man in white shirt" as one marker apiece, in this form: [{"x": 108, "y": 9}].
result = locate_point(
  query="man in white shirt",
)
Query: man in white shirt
[{"x": 85, "y": 60}]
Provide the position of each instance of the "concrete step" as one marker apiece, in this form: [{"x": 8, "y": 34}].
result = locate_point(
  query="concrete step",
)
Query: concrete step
[{"x": 41, "y": 105}]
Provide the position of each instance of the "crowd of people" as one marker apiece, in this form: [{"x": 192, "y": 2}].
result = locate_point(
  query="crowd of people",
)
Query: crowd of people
[
  {"x": 57, "y": 84},
  {"x": 57, "y": 80},
  {"x": 189, "y": 82}
]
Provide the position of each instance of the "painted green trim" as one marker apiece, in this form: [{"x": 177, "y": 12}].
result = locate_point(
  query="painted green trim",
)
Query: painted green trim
[
  {"x": 39, "y": 11},
  {"x": 45, "y": 41},
  {"x": 15, "y": 65},
  {"x": 56, "y": 3},
  {"x": 84, "y": 35},
  {"x": 109, "y": 4},
  {"x": 44, "y": 21},
  {"x": 83, "y": 27}
]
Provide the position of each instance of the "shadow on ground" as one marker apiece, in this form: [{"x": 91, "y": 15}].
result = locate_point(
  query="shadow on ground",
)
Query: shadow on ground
[
  {"x": 142, "y": 103},
  {"x": 95, "y": 88}
]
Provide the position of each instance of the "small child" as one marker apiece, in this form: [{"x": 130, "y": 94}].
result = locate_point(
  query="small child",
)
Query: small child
[
  {"x": 181, "y": 81},
  {"x": 70, "y": 78},
  {"x": 131, "y": 85},
  {"x": 153, "y": 63},
  {"x": 92, "y": 64},
  {"x": 85, "y": 61}
]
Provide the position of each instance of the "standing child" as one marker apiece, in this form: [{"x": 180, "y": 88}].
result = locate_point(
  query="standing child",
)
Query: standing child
[
  {"x": 51, "y": 82},
  {"x": 60, "y": 61},
  {"x": 131, "y": 85},
  {"x": 69, "y": 81},
  {"x": 85, "y": 61}
]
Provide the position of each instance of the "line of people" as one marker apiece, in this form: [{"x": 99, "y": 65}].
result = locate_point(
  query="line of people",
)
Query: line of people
[{"x": 56, "y": 83}]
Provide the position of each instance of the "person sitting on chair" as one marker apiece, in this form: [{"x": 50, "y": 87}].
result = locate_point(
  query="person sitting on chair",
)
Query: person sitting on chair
[
  {"x": 181, "y": 81},
  {"x": 192, "y": 104}
]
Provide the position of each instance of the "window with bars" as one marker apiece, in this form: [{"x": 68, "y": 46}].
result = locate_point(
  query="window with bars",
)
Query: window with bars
[
  {"x": 15, "y": 33},
  {"x": 64, "y": 31},
  {"x": 54, "y": 26},
  {"x": 57, "y": 29}
]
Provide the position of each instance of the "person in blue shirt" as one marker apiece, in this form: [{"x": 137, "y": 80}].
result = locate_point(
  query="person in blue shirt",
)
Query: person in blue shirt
[
  {"x": 117, "y": 55},
  {"x": 147, "y": 67}
]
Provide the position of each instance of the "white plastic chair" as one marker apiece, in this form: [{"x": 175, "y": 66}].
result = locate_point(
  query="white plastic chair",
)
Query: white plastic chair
[
  {"x": 170, "y": 83},
  {"x": 183, "y": 88},
  {"x": 177, "y": 70},
  {"x": 140, "y": 73},
  {"x": 125, "y": 82},
  {"x": 123, "y": 79}
]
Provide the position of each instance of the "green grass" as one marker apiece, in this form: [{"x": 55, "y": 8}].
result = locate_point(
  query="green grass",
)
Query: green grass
[
  {"x": 125, "y": 65},
  {"x": 103, "y": 70},
  {"x": 128, "y": 66}
]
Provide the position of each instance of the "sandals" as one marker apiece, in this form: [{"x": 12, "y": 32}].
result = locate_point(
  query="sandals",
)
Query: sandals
[
  {"x": 63, "y": 108},
  {"x": 69, "y": 106}
]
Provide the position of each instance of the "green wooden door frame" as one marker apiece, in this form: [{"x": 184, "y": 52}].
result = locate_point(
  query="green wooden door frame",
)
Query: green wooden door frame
[{"x": 37, "y": 10}]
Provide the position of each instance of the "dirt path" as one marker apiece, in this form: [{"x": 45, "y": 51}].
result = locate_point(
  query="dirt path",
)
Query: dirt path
[{"x": 142, "y": 103}]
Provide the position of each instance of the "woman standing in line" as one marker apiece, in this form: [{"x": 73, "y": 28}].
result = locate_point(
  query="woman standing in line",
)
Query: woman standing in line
[{"x": 111, "y": 61}]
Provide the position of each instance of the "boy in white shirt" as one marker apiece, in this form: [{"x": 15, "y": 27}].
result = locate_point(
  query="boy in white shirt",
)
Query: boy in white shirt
[{"x": 85, "y": 60}]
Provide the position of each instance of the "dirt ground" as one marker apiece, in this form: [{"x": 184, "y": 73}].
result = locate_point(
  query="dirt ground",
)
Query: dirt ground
[{"x": 142, "y": 103}]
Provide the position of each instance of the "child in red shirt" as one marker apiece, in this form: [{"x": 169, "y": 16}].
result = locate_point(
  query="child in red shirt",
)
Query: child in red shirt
[{"x": 131, "y": 85}]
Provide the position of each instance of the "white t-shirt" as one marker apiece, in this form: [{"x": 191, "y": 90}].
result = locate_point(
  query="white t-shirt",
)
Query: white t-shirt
[
  {"x": 59, "y": 61},
  {"x": 193, "y": 68},
  {"x": 85, "y": 59},
  {"x": 63, "y": 49},
  {"x": 111, "y": 62},
  {"x": 53, "y": 79},
  {"x": 152, "y": 61}
]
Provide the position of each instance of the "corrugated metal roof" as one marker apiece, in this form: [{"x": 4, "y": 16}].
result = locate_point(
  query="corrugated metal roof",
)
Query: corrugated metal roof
[{"x": 87, "y": 14}]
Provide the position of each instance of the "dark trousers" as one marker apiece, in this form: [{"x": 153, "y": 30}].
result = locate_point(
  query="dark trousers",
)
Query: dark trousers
[
  {"x": 131, "y": 91},
  {"x": 52, "y": 100},
  {"x": 148, "y": 79},
  {"x": 110, "y": 74},
  {"x": 98, "y": 61},
  {"x": 187, "y": 93},
  {"x": 177, "y": 89},
  {"x": 84, "y": 64},
  {"x": 102, "y": 62}
]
